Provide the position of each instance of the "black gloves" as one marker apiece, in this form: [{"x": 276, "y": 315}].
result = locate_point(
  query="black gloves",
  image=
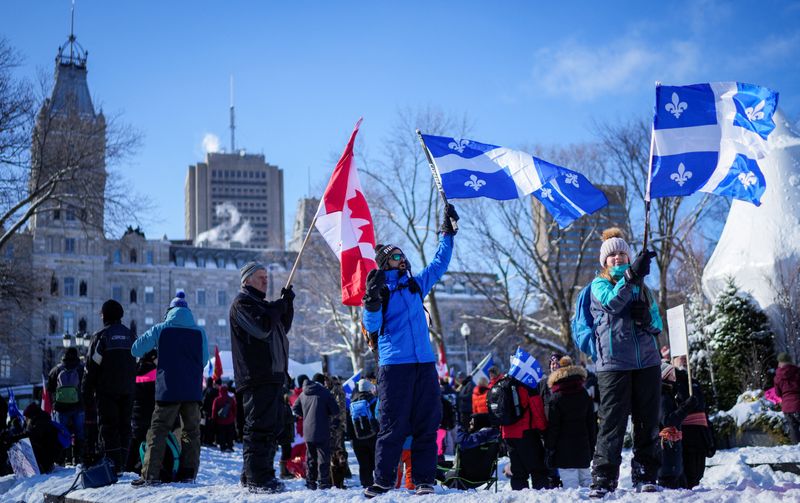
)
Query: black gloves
[
  {"x": 691, "y": 403},
  {"x": 449, "y": 225},
  {"x": 640, "y": 267},
  {"x": 287, "y": 293},
  {"x": 373, "y": 298},
  {"x": 640, "y": 313}
]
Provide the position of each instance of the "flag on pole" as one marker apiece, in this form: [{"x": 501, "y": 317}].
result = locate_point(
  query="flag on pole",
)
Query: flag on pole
[
  {"x": 344, "y": 220},
  {"x": 217, "y": 364},
  {"x": 13, "y": 410},
  {"x": 47, "y": 403},
  {"x": 709, "y": 137},
  {"x": 350, "y": 385},
  {"x": 441, "y": 363},
  {"x": 482, "y": 369},
  {"x": 471, "y": 169},
  {"x": 525, "y": 368}
]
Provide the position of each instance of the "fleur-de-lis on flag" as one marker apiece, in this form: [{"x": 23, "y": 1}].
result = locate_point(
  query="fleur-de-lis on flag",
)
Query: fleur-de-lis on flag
[
  {"x": 474, "y": 182},
  {"x": 572, "y": 179},
  {"x": 458, "y": 145},
  {"x": 747, "y": 179},
  {"x": 677, "y": 106},
  {"x": 682, "y": 176},
  {"x": 547, "y": 193},
  {"x": 755, "y": 113}
]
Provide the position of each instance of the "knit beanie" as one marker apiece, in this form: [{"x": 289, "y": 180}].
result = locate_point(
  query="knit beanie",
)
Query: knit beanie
[
  {"x": 613, "y": 242},
  {"x": 249, "y": 268},
  {"x": 364, "y": 385},
  {"x": 666, "y": 370},
  {"x": 112, "y": 311},
  {"x": 382, "y": 253},
  {"x": 179, "y": 300}
]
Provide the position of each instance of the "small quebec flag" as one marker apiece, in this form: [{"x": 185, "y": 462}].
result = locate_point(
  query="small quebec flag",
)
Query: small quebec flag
[
  {"x": 482, "y": 370},
  {"x": 472, "y": 169},
  {"x": 525, "y": 369},
  {"x": 350, "y": 385}
]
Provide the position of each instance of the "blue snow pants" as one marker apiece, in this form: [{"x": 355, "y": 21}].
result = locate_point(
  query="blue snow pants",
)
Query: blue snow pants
[{"x": 410, "y": 404}]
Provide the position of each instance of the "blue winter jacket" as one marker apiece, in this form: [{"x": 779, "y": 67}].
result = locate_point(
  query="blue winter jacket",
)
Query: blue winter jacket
[
  {"x": 182, "y": 354},
  {"x": 620, "y": 344},
  {"x": 405, "y": 336}
]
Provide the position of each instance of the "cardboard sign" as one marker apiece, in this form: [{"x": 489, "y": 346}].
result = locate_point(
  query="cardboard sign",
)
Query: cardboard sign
[
  {"x": 22, "y": 459},
  {"x": 676, "y": 321}
]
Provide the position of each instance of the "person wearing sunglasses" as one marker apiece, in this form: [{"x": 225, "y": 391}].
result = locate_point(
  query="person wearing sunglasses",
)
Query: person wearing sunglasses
[{"x": 408, "y": 385}]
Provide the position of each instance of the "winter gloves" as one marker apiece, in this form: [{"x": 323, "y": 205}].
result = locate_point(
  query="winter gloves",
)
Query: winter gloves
[
  {"x": 373, "y": 298},
  {"x": 640, "y": 313},
  {"x": 640, "y": 267},
  {"x": 287, "y": 293},
  {"x": 449, "y": 219}
]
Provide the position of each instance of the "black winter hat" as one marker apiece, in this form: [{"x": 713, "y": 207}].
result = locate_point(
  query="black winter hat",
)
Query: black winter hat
[
  {"x": 112, "y": 311},
  {"x": 382, "y": 253}
]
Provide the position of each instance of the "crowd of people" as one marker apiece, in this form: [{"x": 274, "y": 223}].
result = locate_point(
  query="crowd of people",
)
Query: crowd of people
[{"x": 143, "y": 404}]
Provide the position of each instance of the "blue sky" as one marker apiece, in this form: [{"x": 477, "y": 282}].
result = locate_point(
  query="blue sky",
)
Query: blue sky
[{"x": 524, "y": 72}]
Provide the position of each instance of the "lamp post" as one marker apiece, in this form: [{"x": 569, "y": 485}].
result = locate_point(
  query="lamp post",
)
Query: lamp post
[
  {"x": 66, "y": 341},
  {"x": 79, "y": 340},
  {"x": 465, "y": 331}
]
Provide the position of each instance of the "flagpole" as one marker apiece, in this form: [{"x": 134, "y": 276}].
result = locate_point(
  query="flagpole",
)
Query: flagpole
[
  {"x": 649, "y": 178},
  {"x": 302, "y": 247},
  {"x": 436, "y": 177}
]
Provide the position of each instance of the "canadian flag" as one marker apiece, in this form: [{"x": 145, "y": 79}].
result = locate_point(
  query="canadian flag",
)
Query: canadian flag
[
  {"x": 344, "y": 220},
  {"x": 441, "y": 363}
]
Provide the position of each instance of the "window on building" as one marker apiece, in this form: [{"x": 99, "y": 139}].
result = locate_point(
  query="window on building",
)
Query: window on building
[
  {"x": 222, "y": 298},
  {"x": 69, "y": 322},
  {"x": 56, "y": 214},
  {"x": 222, "y": 322},
  {"x": 116, "y": 293},
  {"x": 220, "y": 262},
  {"x": 179, "y": 260},
  {"x": 69, "y": 245},
  {"x": 201, "y": 322},
  {"x": 132, "y": 255},
  {"x": 133, "y": 296},
  {"x": 148, "y": 255},
  {"x": 82, "y": 289},
  {"x": 69, "y": 287},
  {"x": 201, "y": 297},
  {"x": 201, "y": 261},
  {"x": 133, "y": 327},
  {"x": 69, "y": 214},
  {"x": 148, "y": 321},
  {"x": 82, "y": 325},
  {"x": 5, "y": 367},
  {"x": 52, "y": 325},
  {"x": 149, "y": 295},
  {"x": 117, "y": 258},
  {"x": 53, "y": 285}
]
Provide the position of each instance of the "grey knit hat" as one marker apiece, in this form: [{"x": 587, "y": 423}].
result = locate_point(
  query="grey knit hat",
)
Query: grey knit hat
[
  {"x": 613, "y": 242},
  {"x": 249, "y": 268}
]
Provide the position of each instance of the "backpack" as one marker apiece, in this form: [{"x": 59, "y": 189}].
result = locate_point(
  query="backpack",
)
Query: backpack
[
  {"x": 583, "y": 324},
  {"x": 68, "y": 382},
  {"x": 364, "y": 422},
  {"x": 504, "y": 403},
  {"x": 171, "y": 460}
]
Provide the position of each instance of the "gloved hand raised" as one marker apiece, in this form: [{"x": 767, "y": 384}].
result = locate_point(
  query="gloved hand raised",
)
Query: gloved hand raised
[
  {"x": 373, "y": 298},
  {"x": 640, "y": 267},
  {"x": 640, "y": 313},
  {"x": 287, "y": 293},
  {"x": 449, "y": 220},
  {"x": 691, "y": 403}
]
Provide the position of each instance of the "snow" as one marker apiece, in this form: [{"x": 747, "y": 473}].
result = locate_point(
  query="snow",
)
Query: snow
[
  {"x": 749, "y": 406},
  {"x": 760, "y": 265},
  {"x": 728, "y": 478}
]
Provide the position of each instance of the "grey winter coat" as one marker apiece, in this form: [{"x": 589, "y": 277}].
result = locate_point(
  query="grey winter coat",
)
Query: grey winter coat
[{"x": 315, "y": 405}]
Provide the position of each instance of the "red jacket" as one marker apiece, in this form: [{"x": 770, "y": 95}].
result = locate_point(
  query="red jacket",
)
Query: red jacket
[
  {"x": 219, "y": 403},
  {"x": 787, "y": 386},
  {"x": 532, "y": 419},
  {"x": 479, "y": 405}
]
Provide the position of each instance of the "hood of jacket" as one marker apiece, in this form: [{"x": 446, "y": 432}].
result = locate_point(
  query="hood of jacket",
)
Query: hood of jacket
[
  {"x": 223, "y": 391},
  {"x": 563, "y": 373},
  {"x": 788, "y": 372},
  {"x": 313, "y": 388},
  {"x": 180, "y": 317}
]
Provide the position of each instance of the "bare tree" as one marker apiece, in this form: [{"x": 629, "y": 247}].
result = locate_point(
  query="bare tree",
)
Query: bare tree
[{"x": 403, "y": 196}]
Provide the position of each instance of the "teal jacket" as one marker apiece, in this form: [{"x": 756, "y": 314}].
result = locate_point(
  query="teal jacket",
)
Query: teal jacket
[
  {"x": 182, "y": 353},
  {"x": 620, "y": 344}
]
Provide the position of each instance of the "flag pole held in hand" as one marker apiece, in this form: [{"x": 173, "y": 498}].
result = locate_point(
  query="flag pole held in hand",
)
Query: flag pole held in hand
[{"x": 436, "y": 177}]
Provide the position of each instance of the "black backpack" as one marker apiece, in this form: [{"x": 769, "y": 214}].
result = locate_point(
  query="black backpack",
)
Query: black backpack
[{"x": 504, "y": 403}]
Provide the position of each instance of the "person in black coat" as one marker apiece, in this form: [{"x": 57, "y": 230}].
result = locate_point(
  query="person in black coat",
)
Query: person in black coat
[
  {"x": 210, "y": 393},
  {"x": 43, "y": 435},
  {"x": 286, "y": 437},
  {"x": 317, "y": 407},
  {"x": 673, "y": 412},
  {"x": 110, "y": 377},
  {"x": 364, "y": 448},
  {"x": 65, "y": 384},
  {"x": 144, "y": 402},
  {"x": 698, "y": 439},
  {"x": 571, "y": 427},
  {"x": 464, "y": 400}
]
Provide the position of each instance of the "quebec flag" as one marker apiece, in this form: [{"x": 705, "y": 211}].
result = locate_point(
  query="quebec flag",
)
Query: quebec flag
[
  {"x": 709, "y": 137},
  {"x": 350, "y": 385},
  {"x": 482, "y": 370},
  {"x": 525, "y": 369},
  {"x": 472, "y": 169}
]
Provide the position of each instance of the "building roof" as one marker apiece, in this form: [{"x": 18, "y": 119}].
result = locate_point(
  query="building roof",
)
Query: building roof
[{"x": 71, "y": 91}]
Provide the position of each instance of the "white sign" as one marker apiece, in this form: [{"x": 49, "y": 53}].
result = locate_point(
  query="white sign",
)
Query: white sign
[
  {"x": 22, "y": 460},
  {"x": 676, "y": 321}
]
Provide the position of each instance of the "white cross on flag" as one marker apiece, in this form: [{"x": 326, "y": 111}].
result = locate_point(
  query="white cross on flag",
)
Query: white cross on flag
[
  {"x": 344, "y": 220},
  {"x": 525, "y": 368}
]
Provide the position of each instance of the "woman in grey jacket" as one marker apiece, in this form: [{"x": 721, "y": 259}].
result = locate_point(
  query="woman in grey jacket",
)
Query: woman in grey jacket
[{"x": 626, "y": 324}]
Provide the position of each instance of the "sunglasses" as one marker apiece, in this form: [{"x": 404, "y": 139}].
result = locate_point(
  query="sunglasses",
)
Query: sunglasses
[{"x": 396, "y": 256}]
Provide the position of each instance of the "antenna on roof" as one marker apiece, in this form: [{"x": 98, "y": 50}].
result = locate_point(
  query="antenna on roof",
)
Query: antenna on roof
[{"x": 233, "y": 126}]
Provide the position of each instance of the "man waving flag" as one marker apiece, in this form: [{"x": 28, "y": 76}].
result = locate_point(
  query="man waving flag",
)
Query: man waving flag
[
  {"x": 472, "y": 169},
  {"x": 344, "y": 220}
]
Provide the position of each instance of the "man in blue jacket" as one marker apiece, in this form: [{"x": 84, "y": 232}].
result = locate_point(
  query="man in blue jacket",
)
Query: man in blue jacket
[
  {"x": 182, "y": 354},
  {"x": 408, "y": 385}
]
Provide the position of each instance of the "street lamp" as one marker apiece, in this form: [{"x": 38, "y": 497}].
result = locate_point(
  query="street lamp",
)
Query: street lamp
[
  {"x": 66, "y": 340},
  {"x": 79, "y": 339},
  {"x": 87, "y": 340},
  {"x": 465, "y": 331}
]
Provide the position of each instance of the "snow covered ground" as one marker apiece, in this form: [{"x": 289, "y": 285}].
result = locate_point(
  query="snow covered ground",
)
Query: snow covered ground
[{"x": 728, "y": 478}]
